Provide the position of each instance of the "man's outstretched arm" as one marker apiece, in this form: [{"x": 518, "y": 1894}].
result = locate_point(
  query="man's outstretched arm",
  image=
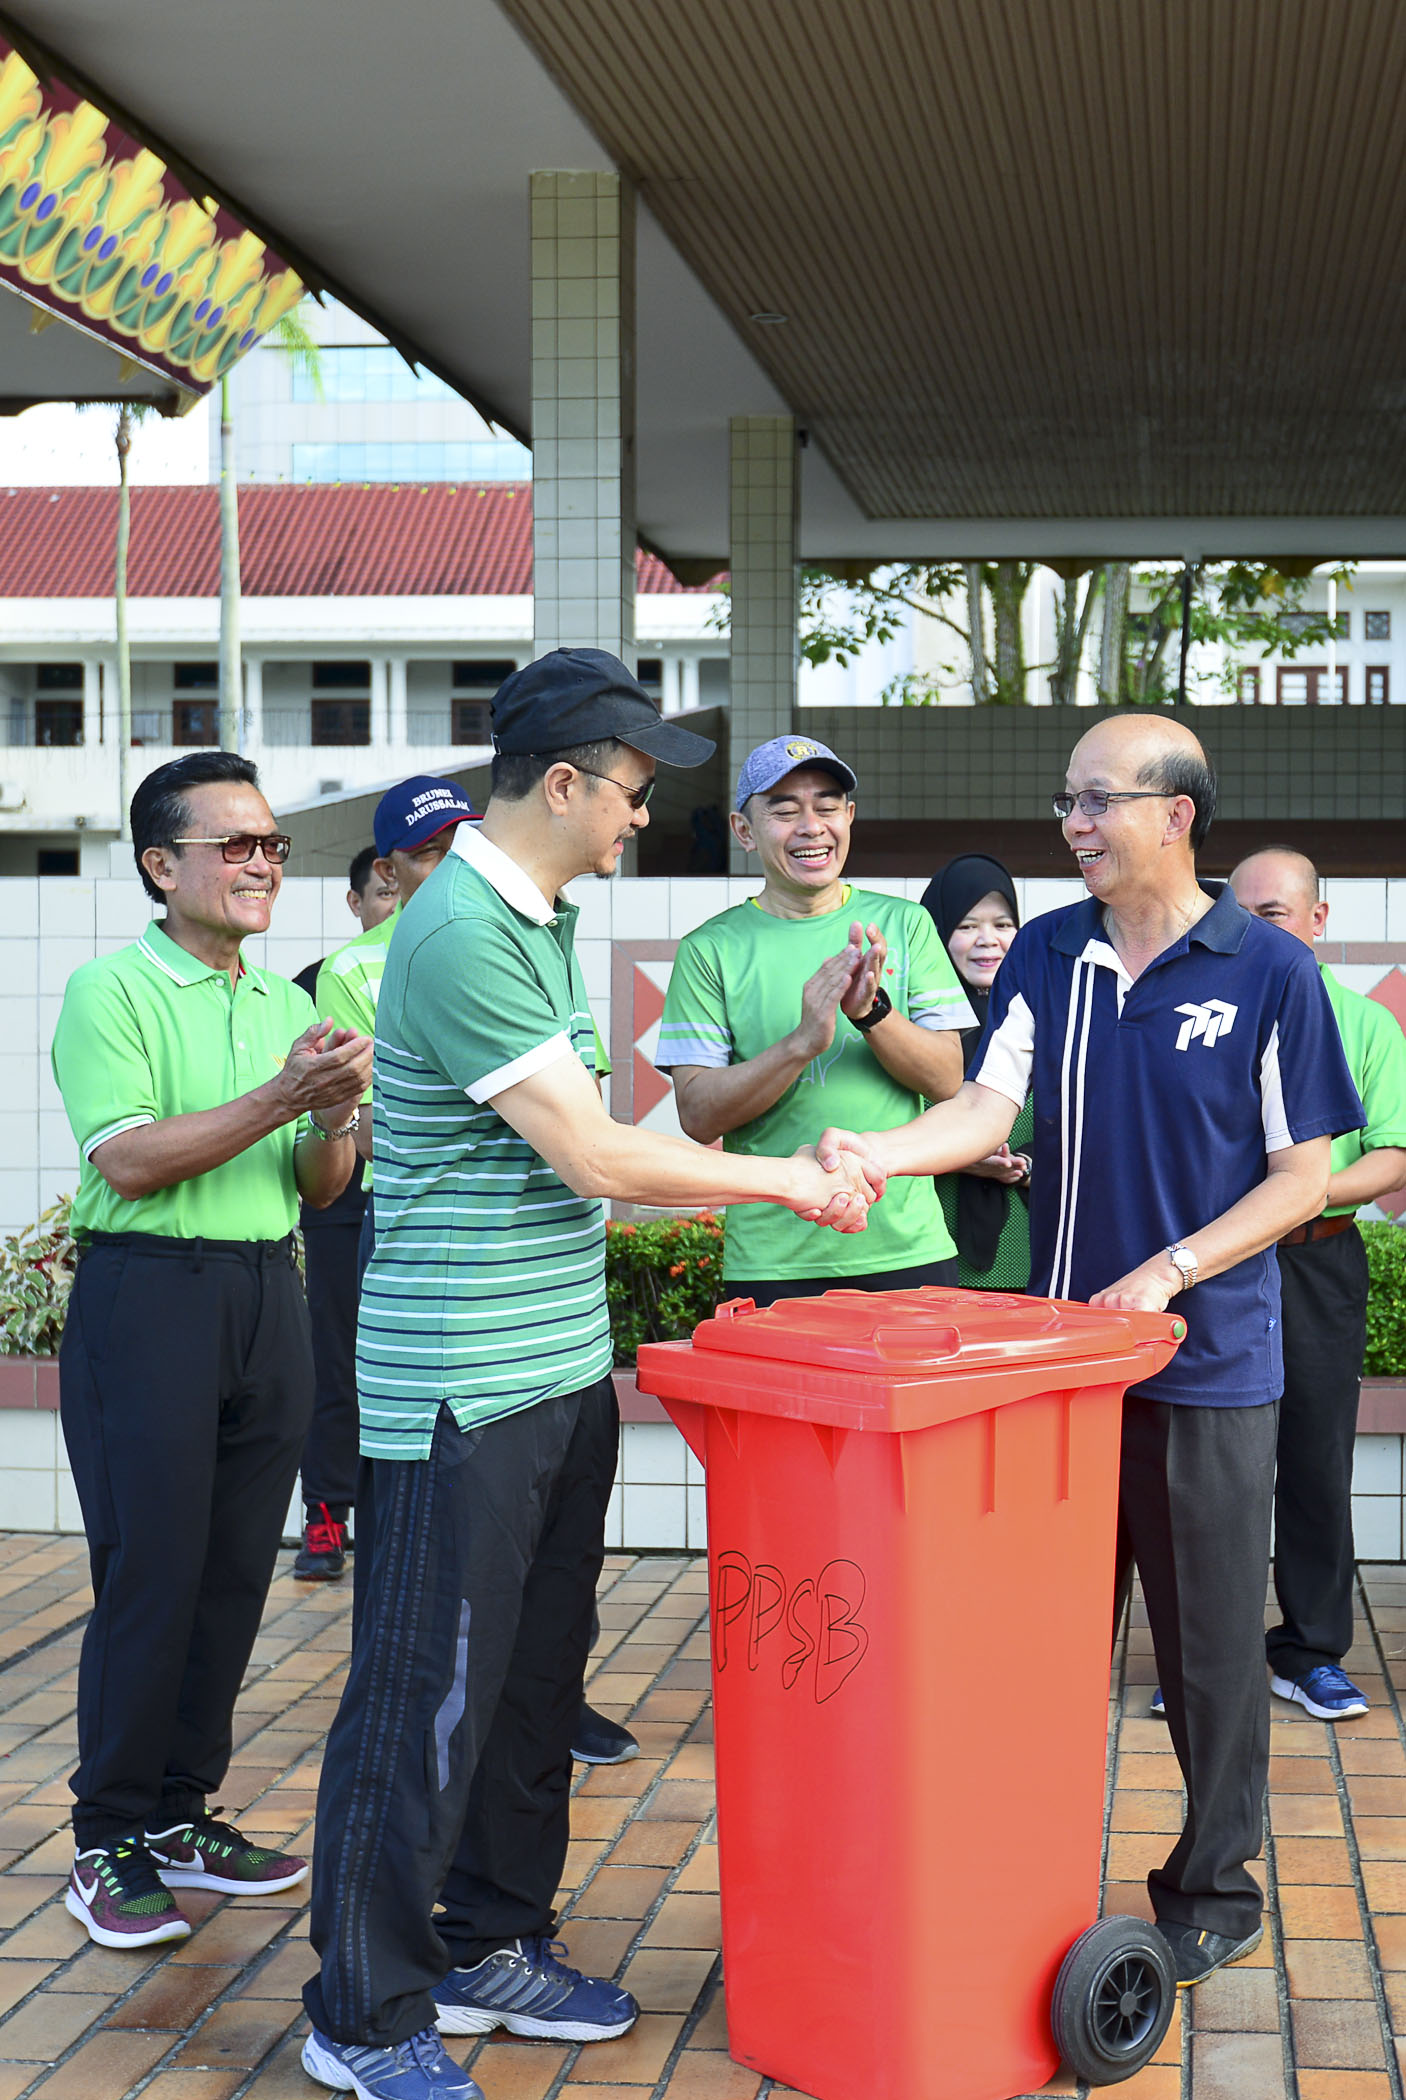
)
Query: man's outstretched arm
[{"x": 560, "y": 1113}]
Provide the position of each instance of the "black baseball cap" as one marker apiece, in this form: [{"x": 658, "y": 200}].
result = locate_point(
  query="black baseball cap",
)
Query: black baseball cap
[{"x": 583, "y": 696}]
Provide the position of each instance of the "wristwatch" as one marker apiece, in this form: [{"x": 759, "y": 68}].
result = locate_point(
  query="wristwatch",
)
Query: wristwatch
[
  {"x": 330, "y": 1137},
  {"x": 1184, "y": 1262},
  {"x": 882, "y": 1005}
]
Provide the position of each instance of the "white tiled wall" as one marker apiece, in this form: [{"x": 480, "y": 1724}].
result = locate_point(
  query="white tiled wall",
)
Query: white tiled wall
[{"x": 658, "y": 1500}]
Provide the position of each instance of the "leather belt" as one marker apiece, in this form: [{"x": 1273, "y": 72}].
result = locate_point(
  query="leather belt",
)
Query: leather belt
[{"x": 1318, "y": 1229}]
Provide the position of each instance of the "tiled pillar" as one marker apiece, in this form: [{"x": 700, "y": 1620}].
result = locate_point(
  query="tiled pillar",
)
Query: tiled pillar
[
  {"x": 765, "y": 582},
  {"x": 583, "y": 412}
]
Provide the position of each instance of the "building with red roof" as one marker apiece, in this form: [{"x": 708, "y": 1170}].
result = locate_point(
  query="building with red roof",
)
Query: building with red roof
[{"x": 376, "y": 623}]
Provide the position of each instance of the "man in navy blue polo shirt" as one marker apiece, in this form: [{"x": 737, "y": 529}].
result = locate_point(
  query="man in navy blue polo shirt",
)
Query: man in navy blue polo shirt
[{"x": 1188, "y": 1081}]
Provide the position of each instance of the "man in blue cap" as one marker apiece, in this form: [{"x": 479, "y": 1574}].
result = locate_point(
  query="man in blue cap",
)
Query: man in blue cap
[
  {"x": 487, "y": 1411},
  {"x": 777, "y": 1012},
  {"x": 414, "y": 828}
]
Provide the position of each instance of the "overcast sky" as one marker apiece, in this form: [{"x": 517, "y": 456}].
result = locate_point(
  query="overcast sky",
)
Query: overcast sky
[{"x": 57, "y": 445}]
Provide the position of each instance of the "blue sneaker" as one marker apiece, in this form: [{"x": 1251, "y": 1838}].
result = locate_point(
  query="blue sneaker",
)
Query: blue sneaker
[
  {"x": 419, "y": 2069},
  {"x": 1157, "y": 1709},
  {"x": 526, "y": 1989},
  {"x": 1328, "y": 1693}
]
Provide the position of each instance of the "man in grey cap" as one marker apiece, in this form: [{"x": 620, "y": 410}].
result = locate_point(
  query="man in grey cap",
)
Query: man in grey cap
[
  {"x": 487, "y": 1410},
  {"x": 777, "y": 1011}
]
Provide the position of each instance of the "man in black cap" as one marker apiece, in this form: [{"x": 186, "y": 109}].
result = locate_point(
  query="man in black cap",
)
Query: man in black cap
[{"x": 487, "y": 1410}]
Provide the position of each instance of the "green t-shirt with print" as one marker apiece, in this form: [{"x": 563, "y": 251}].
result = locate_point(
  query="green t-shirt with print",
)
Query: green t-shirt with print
[{"x": 734, "y": 992}]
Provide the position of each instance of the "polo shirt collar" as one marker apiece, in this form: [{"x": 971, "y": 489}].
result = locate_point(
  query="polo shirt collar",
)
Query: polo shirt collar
[
  {"x": 513, "y": 884},
  {"x": 179, "y": 965},
  {"x": 1221, "y": 929}
]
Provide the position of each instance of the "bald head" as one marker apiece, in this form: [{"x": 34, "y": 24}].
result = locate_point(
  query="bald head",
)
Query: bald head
[
  {"x": 1149, "y": 751},
  {"x": 1280, "y": 886}
]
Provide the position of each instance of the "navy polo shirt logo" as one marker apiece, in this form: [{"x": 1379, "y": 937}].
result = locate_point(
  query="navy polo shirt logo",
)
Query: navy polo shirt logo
[{"x": 1206, "y": 1024}]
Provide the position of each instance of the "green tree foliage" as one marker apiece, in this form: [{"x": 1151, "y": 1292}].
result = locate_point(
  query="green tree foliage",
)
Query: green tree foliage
[{"x": 1249, "y": 610}]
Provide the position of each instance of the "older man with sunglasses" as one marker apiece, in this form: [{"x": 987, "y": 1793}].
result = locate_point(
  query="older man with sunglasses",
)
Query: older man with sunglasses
[
  {"x": 1188, "y": 1080},
  {"x": 206, "y": 1098}
]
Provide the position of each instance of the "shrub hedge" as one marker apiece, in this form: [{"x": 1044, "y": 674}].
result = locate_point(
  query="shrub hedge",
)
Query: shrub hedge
[{"x": 661, "y": 1279}]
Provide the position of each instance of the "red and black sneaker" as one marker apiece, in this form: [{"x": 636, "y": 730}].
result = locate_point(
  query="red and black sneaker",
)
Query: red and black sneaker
[{"x": 324, "y": 1552}]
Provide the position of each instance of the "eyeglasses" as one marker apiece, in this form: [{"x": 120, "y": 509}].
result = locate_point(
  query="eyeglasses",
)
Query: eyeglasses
[
  {"x": 635, "y": 796},
  {"x": 241, "y": 846},
  {"x": 1093, "y": 802}
]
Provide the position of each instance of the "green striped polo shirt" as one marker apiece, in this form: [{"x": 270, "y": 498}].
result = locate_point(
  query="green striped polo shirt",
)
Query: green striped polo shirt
[{"x": 487, "y": 1286}]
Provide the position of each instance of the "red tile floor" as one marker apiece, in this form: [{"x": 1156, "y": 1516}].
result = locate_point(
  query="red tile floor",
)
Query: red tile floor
[{"x": 1319, "y": 2013}]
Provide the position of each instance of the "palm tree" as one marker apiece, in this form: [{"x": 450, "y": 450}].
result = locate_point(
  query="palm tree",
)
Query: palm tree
[
  {"x": 291, "y": 334},
  {"x": 129, "y": 414}
]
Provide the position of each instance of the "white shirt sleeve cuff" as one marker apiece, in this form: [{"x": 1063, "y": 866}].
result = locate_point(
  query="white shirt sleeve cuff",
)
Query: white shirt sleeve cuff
[{"x": 524, "y": 1067}]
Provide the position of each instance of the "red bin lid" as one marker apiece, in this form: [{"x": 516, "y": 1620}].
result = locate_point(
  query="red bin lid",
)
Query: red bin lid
[{"x": 921, "y": 1333}]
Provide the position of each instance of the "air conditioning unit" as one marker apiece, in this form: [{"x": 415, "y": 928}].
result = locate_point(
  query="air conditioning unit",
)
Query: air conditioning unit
[{"x": 11, "y": 795}]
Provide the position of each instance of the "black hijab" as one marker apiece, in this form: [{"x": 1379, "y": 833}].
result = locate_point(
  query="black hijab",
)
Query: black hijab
[{"x": 982, "y": 1206}]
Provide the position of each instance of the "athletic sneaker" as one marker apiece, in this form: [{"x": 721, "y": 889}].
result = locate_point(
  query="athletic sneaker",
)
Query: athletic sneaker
[
  {"x": 1197, "y": 1954},
  {"x": 323, "y": 1557},
  {"x": 210, "y": 1855},
  {"x": 420, "y": 2069},
  {"x": 1157, "y": 1709},
  {"x": 114, "y": 1891},
  {"x": 1328, "y": 1693},
  {"x": 526, "y": 1989},
  {"x": 597, "y": 1740}
]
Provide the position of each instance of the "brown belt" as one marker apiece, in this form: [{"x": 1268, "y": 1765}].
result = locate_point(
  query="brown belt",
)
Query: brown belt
[{"x": 1318, "y": 1229}]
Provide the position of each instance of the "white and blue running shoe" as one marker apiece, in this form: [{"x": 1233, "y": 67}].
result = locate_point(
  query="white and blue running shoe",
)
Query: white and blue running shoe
[
  {"x": 528, "y": 1990},
  {"x": 418, "y": 2069},
  {"x": 1327, "y": 1692}
]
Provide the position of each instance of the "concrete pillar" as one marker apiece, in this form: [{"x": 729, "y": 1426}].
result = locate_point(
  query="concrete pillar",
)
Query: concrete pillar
[
  {"x": 398, "y": 703},
  {"x": 688, "y": 683},
  {"x": 583, "y": 412},
  {"x": 92, "y": 701},
  {"x": 380, "y": 704},
  {"x": 764, "y": 522},
  {"x": 669, "y": 701},
  {"x": 252, "y": 723}
]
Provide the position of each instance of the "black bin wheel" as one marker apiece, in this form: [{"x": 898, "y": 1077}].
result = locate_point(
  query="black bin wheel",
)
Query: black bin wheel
[{"x": 1113, "y": 1999}]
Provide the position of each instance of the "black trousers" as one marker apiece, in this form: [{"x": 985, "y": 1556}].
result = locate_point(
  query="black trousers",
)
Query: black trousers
[
  {"x": 1193, "y": 1512},
  {"x": 448, "y": 1768},
  {"x": 330, "y": 1459},
  {"x": 185, "y": 1388},
  {"x": 1324, "y": 1291},
  {"x": 932, "y": 1272}
]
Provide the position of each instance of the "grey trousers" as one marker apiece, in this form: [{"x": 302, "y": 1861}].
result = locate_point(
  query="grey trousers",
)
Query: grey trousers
[{"x": 1195, "y": 1492}]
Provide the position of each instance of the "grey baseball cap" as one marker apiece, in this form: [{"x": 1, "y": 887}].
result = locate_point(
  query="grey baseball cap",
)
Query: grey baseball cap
[{"x": 770, "y": 762}]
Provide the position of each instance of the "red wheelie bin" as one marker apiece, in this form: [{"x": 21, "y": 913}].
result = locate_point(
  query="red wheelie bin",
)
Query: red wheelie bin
[{"x": 912, "y": 1501}]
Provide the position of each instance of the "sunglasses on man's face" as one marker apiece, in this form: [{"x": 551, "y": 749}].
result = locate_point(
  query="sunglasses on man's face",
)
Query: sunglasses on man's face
[{"x": 238, "y": 847}]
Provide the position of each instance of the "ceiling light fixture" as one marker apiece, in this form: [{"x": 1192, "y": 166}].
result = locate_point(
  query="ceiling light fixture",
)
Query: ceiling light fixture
[{"x": 769, "y": 320}]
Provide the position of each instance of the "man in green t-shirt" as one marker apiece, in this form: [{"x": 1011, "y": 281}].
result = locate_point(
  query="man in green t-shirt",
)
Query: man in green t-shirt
[
  {"x": 487, "y": 1410},
  {"x": 779, "y": 1020},
  {"x": 1323, "y": 1285},
  {"x": 206, "y": 1097}
]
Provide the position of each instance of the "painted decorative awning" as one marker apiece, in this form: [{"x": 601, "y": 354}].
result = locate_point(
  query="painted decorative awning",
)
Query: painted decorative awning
[{"x": 97, "y": 229}]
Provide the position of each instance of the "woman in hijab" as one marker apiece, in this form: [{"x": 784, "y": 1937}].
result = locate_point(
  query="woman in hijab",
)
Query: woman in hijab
[{"x": 972, "y": 903}]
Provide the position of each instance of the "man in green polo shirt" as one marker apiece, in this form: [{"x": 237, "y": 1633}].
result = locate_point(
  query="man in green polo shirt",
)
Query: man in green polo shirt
[
  {"x": 1323, "y": 1283},
  {"x": 779, "y": 1020},
  {"x": 487, "y": 1410},
  {"x": 206, "y": 1098}
]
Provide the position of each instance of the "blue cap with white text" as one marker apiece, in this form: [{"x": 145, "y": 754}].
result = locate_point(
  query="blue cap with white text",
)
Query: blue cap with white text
[{"x": 414, "y": 810}]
